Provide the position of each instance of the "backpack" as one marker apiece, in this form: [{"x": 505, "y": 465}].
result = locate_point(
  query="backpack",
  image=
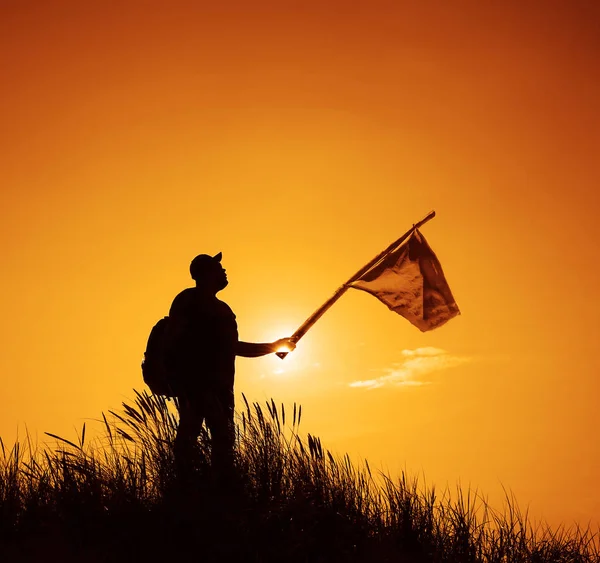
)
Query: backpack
[{"x": 154, "y": 367}]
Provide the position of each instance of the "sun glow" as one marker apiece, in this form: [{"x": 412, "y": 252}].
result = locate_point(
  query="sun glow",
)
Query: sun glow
[{"x": 287, "y": 363}]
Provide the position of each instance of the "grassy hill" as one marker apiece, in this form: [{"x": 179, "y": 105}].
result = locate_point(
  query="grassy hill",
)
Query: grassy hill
[{"x": 117, "y": 499}]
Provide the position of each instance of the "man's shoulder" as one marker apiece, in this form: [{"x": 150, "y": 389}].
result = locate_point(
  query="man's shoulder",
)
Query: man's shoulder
[
  {"x": 183, "y": 300},
  {"x": 189, "y": 302},
  {"x": 224, "y": 309},
  {"x": 187, "y": 292}
]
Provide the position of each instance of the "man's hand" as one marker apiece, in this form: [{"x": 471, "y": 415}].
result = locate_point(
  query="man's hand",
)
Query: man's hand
[
  {"x": 255, "y": 350},
  {"x": 284, "y": 344}
]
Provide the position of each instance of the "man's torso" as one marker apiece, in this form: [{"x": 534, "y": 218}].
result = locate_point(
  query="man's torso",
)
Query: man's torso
[{"x": 203, "y": 352}]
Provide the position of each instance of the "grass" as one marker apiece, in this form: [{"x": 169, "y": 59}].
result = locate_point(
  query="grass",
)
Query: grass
[{"x": 117, "y": 499}]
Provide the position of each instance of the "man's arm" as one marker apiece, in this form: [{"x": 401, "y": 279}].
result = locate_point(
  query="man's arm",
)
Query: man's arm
[{"x": 255, "y": 349}]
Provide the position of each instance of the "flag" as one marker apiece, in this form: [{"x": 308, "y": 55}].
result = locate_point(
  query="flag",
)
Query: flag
[{"x": 410, "y": 281}]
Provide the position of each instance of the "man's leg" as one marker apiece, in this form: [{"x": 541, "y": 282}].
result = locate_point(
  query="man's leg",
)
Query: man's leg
[
  {"x": 219, "y": 419},
  {"x": 190, "y": 426}
]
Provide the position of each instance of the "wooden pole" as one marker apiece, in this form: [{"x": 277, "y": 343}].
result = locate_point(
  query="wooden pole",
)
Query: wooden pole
[{"x": 308, "y": 323}]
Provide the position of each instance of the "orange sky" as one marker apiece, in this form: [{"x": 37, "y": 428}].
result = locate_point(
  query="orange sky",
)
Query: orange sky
[{"x": 300, "y": 140}]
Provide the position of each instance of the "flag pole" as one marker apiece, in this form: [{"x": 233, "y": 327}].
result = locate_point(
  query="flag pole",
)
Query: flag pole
[{"x": 308, "y": 323}]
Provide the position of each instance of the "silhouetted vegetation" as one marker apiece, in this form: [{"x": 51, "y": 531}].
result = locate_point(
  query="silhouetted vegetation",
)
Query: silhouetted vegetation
[{"x": 117, "y": 499}]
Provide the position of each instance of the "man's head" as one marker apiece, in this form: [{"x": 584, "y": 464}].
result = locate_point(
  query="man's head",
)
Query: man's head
[{"x": 207, "y": 271}]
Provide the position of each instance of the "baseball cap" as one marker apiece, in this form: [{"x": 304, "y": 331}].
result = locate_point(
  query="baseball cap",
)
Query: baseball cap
[{"x": 203, "y": 263}]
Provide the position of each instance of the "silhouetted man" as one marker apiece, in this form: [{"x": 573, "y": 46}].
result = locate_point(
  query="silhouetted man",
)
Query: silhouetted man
[{"x": 204, "y": 344}]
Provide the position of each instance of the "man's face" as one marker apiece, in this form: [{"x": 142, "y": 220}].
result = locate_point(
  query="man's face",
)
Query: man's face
[{"x": 220, "y": 277}]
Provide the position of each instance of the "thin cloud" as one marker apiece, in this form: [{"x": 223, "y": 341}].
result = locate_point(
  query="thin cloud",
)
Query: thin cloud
[
  {"x": 368, "y": 383},
  {"x": 427, "y": 351},
  {"x": 411, "y": 371}
]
